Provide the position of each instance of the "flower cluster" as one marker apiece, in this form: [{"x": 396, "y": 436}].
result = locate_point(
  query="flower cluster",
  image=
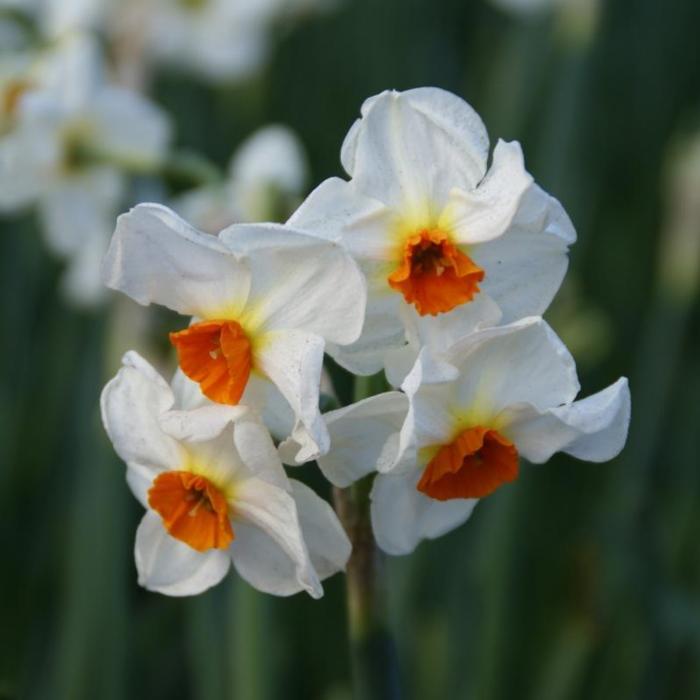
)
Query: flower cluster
[{"x": 428, "y": 263}]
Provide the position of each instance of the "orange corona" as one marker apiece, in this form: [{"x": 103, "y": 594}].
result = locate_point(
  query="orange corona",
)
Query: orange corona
[
  {"x": 434, "y": 275},
  {"x": 217, "y": 355},
  {"x": 193, "y": 510},
  {"x": 473, "y": 465}
]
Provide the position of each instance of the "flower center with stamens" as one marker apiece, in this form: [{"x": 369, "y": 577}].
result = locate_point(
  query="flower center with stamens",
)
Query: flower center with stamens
[
  {"x": 194, "y": 511},
  {"x": 434, "y": 275},
  {"x": 217, "y": 355},
  {"x": 473, "y": 465}
]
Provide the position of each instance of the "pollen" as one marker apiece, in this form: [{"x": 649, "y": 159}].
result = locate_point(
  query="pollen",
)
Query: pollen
[
  {"x": 434, "y": 275},
  {"x": 193, "y": 510},
  {"x": 217, "y": 355},
  {"x": 473, "y": 465}
]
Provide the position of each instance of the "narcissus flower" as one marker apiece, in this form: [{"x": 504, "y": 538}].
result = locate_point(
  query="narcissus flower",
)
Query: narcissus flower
[
  {"x": 73, "y": 135},
  {"x": 265, "y": 182},
  {"x": 431, "y": 226},
  {"x": 218, "y": 40},
  {"x": 263, "y": 297},
  {"x": 459, "y": 431},
  {"x": 215, "y": 493}
]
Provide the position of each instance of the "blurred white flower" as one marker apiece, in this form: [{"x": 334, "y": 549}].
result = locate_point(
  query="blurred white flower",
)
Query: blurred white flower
[
  {"x": 265, "y": 181},
  {"x": 219, "y": 40},
  {"x": 216, "y": 494},
  {"x": 459, "y": 430},
  {"x": 265, "y": 298},
  {"x": 70, "y": 136},
  {"x": 432, "y": 228}
]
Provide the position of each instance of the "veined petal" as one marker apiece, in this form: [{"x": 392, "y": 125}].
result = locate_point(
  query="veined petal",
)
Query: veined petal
[
  {"x": 131, "y": 404},
  {"x": 437, "y": 333},
  {"x": 382, "y": 332},
  {"x": 364, "y": 437},
  {"x": 412, "y": 148},
  {"x": 327, "y": 542},
  {"x": 168, "y": 566},
  {"x": 482, "y": 214},
  {"x": 337, "y": 210},
  {"x": 266, "y": 525},
  {"x": 292, "y": 360},
  {"x": 594, "y": 428},
  {"x": 530, "y": 259},
  {"x": 156, "y": 257},
  {"x": 402, "y": 516},
  {"x": 295, "y": 281},
  {"x": 524, "y": 362}
]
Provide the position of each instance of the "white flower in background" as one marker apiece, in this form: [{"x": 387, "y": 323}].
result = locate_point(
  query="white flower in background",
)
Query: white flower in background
[
  {"x": 70, "y": 141},
  {"x": 219, "y": 40},
  {"x": 59, "y": 17},
  {"x": 265, "y": 180},
  {"x": 263, "y": 297},
  {"x": 458, "y": 432},
  {"x": 431, "y": 227},
  {"x": 216, "y": 494}
]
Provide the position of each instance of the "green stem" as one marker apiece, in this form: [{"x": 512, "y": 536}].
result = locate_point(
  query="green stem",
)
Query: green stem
[{"x": 372, "y": 650}]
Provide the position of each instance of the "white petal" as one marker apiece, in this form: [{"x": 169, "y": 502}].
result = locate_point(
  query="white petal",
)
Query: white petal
[
  {"x": 293, "y": 361},
  {"x": 295, "y": 281},
  {"x": 258, "y": 453},
  {"x": 381, "y": 333},
  {"x": 482, "y": 214},
  {"x": 328, "y": 545},
  {"x": 524, "y": 362},
  {"x": 412, "y": 148},
  {"x": 168, "y": 566},
  {"x": 364, "y": 437},
  {"x": 402, "y": 516},
  {"x": 131, "y": 404},
  {"x": 526, "y": 265},
  {"x": 437, "y": 333},
  {"x": 129, "y": 128},
  {"x": 82, "y": 281},
  {"x": 76, "y": 209},
  {"x": 262, "y": 395},
  {"x": 272, "y": 156},
  {"x": 201, "y": 424},
  {"x": 594, "y": 428},
  {"x": 156, "y": 257},
  {"x": 267, "y": 524},
  {"x": 336, "y": 210}
]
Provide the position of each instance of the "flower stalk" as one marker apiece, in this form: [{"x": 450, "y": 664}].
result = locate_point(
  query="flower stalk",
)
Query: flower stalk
[{"x": 372, "y": 651}]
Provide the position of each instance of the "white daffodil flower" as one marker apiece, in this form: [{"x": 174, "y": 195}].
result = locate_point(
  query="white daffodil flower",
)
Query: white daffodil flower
[
  {"x": 216, "y": 494},
  {"x": 71, "y": 139},
  {"x": 458, "y": 432},
  {"x": 432, "y": 227},
  {"x": 265, "y": 180},
  {"x": 217, "y": 40},
  {"x": 264, "y": 298}
]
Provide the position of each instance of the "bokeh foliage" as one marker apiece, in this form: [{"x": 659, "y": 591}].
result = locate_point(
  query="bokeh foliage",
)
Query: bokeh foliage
[{"x": 577, "y": 581}]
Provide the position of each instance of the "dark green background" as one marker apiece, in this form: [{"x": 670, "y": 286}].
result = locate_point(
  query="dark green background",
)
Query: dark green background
[{"x": 578, "y": 581}]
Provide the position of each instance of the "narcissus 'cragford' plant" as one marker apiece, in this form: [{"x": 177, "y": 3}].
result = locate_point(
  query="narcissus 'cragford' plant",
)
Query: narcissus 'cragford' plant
[
  {"x": 265, "y": 298},
  {"x": 436, "y": 230},
  {"x": 458, "y": 432},
  {"x": 216, "y": 494}
]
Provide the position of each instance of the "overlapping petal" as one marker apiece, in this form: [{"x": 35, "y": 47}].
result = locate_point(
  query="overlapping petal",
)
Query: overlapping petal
[{"x": 156, "y": 257}]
